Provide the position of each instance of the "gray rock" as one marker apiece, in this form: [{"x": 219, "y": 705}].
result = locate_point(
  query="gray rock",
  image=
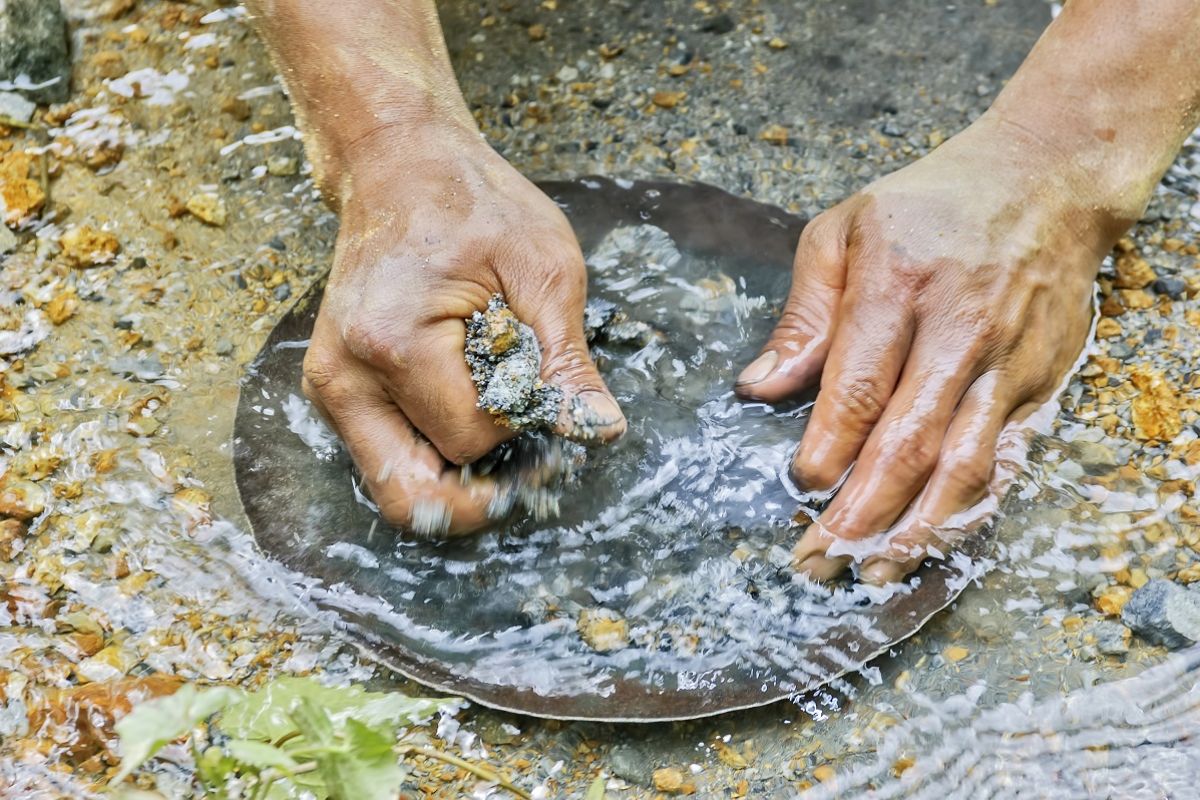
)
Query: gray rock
[
  {"x": 1112, "y": 638},
  {"x": 1173, "y": 288},
  {"x": 634, "y": 762},
  {"x": 1120, "y": 350},
  {"x": 720, "y": 24},
  {"x": 1165, "y": 613},
  {"x": 33, "y": 49},
  {"x": 8, "y": 240},
  {"x": 15, "y": 107},
  {"x": 142, "y": 369}
]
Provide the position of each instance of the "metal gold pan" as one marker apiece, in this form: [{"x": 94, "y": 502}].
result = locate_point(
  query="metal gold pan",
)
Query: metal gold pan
[{"x": 288, "y": 494}]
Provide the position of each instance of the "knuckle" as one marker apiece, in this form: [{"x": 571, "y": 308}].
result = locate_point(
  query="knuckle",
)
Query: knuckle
[
  {"x": 568, "y": 361},
  {"x": 968, "y": 476},
  {"x": 861, "y": 398},
  {"x": 395, "y": 509},
  {"x": 459, "y": 447},
  {"x": 799, "y": 320},
  {"x": 915, "y": 453},
  {"x": 319, "y": 373},
  {"x": 911, "y": 278},
  {"x": 372, "y": 342},
  {"x": 820, "y": 236}
]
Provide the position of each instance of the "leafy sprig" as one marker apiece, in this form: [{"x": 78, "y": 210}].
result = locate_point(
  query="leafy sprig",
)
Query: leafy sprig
[{"x": 295, "y": 735}]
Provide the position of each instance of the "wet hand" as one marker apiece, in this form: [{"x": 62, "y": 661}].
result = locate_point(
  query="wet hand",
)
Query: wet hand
[
  {"x": 939, "y": 305},
  {"x": 431, "y": 228}
]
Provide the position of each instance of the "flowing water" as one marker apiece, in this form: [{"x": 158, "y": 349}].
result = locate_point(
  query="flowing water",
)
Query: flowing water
[
  {"x": 124, "y": 414},
  {"x": 662, "y": 587}
]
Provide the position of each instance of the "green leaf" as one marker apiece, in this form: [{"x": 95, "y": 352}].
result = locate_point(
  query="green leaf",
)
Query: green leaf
[
  {"x": 267, "y": 714},
  {"x": 358, "y": 766},
  {"x": 313, "y": 722},
  {"x": 369, "y": 743},
  {"x": 150, "y": 726},
  {"x": 213, "y": 768},
  {"x": 596, "y": 790},
  {"x": 260, "y": 755}
]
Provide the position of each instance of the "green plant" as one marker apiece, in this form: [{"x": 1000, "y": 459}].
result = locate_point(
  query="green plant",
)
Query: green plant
[{"x": 294, "y": 735}]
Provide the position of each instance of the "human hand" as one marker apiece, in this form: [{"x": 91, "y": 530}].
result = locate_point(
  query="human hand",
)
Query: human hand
[
  {"x": 432, "y": 226},
  {"x": 942, "y": 302}
]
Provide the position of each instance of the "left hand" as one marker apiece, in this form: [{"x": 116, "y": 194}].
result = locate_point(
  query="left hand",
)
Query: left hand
[{"x": 943, "y": 302}]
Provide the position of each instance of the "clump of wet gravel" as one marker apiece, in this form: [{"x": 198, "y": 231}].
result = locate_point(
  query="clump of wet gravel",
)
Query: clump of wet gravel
[{"x": 506, "y": 365}]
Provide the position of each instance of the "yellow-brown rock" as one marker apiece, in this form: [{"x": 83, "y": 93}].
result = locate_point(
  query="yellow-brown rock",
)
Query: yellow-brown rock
[
  {"x": 84, "y": 246},
  {"x": 1133, "y": 272},
  {"x": 1107, "y": 328},
  {"x": 775, "y": 134},
  {"x": 1156, "y": 409},
  {"x": 667, "y": 99},
  {"x": 603, "y": 630},
  {"x": 62, "y": 307},
  {"x": 22, "y": 196}
]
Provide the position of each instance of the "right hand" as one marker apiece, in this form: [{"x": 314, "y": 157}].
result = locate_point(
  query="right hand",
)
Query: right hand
[{"x": 433, "y": 225}]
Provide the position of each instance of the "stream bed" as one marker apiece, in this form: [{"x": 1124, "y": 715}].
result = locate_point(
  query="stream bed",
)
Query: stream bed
[{"x": 132, "y": 567}]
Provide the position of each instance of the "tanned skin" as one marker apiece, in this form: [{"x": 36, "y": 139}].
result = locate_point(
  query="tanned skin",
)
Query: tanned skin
[{"x": 937, "y": 307}]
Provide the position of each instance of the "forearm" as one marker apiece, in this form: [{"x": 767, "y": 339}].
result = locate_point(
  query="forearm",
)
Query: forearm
[
  {"x": 361, "y": 79},
  {"x": 1114, "y": 86}
]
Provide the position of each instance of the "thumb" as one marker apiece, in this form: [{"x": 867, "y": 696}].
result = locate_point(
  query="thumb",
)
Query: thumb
[
  {"x": 795, "y": 354},
  {"x": 590, "y": 414}
]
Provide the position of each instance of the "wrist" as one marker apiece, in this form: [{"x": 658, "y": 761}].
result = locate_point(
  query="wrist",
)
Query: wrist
[
  {"x": 352, "y": 157},
  {"x": 1060, "y": 163}
]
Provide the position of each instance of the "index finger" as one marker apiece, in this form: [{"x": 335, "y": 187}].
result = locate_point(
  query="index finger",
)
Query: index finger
[{"x": 413, "y": 486}]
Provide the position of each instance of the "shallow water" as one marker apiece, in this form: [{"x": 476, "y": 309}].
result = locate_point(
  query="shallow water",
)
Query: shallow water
[
  {"x": 662, "y": 586},
  {"x": 173, "y": 578}
]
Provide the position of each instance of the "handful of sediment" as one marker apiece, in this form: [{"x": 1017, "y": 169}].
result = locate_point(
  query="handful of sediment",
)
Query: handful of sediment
[
  {"x": 506, "y": 362},
  {"x": 506, "y": 366}
]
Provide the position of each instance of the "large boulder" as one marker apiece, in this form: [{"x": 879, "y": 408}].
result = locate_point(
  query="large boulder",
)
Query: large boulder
[{"x": 33, "y": 46}]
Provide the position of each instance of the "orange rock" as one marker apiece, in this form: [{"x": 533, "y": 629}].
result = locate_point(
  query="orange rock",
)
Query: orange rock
[
  {"x": 667, "y": 99},
  {"x": 22, "y": 196},
  {"x": 955, "y": 653},
  {"x": 1107, "y": 328},
  {"x": 668, "y": 779},
  {"x": 1112, "y": 599},
  {"x": 775, "y": 134},
  {"x": 1156, "y": 409},
  {"x": 12, "y": 538},
  {"x": 84, "y": 246},
  {"x": 1137, "y": 299},
  {"x": 1189, "y": 574},
  {"x": 1133, "y": 272},
  {"x": 603, "y": 630},
  {"x": 1112, "y": 306},
  {"x": 62, "y": 307},
  {"x": 81, "y": 719},
  {"x": 824, "y": 773}
]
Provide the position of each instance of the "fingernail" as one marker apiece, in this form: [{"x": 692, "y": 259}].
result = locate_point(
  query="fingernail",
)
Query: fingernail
[
  {"x": 881, "y": 573},
  {"x": 592, "y": 416},
  {"x": 759, "y": 368},
  {"x": 820, "y": 568}
]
